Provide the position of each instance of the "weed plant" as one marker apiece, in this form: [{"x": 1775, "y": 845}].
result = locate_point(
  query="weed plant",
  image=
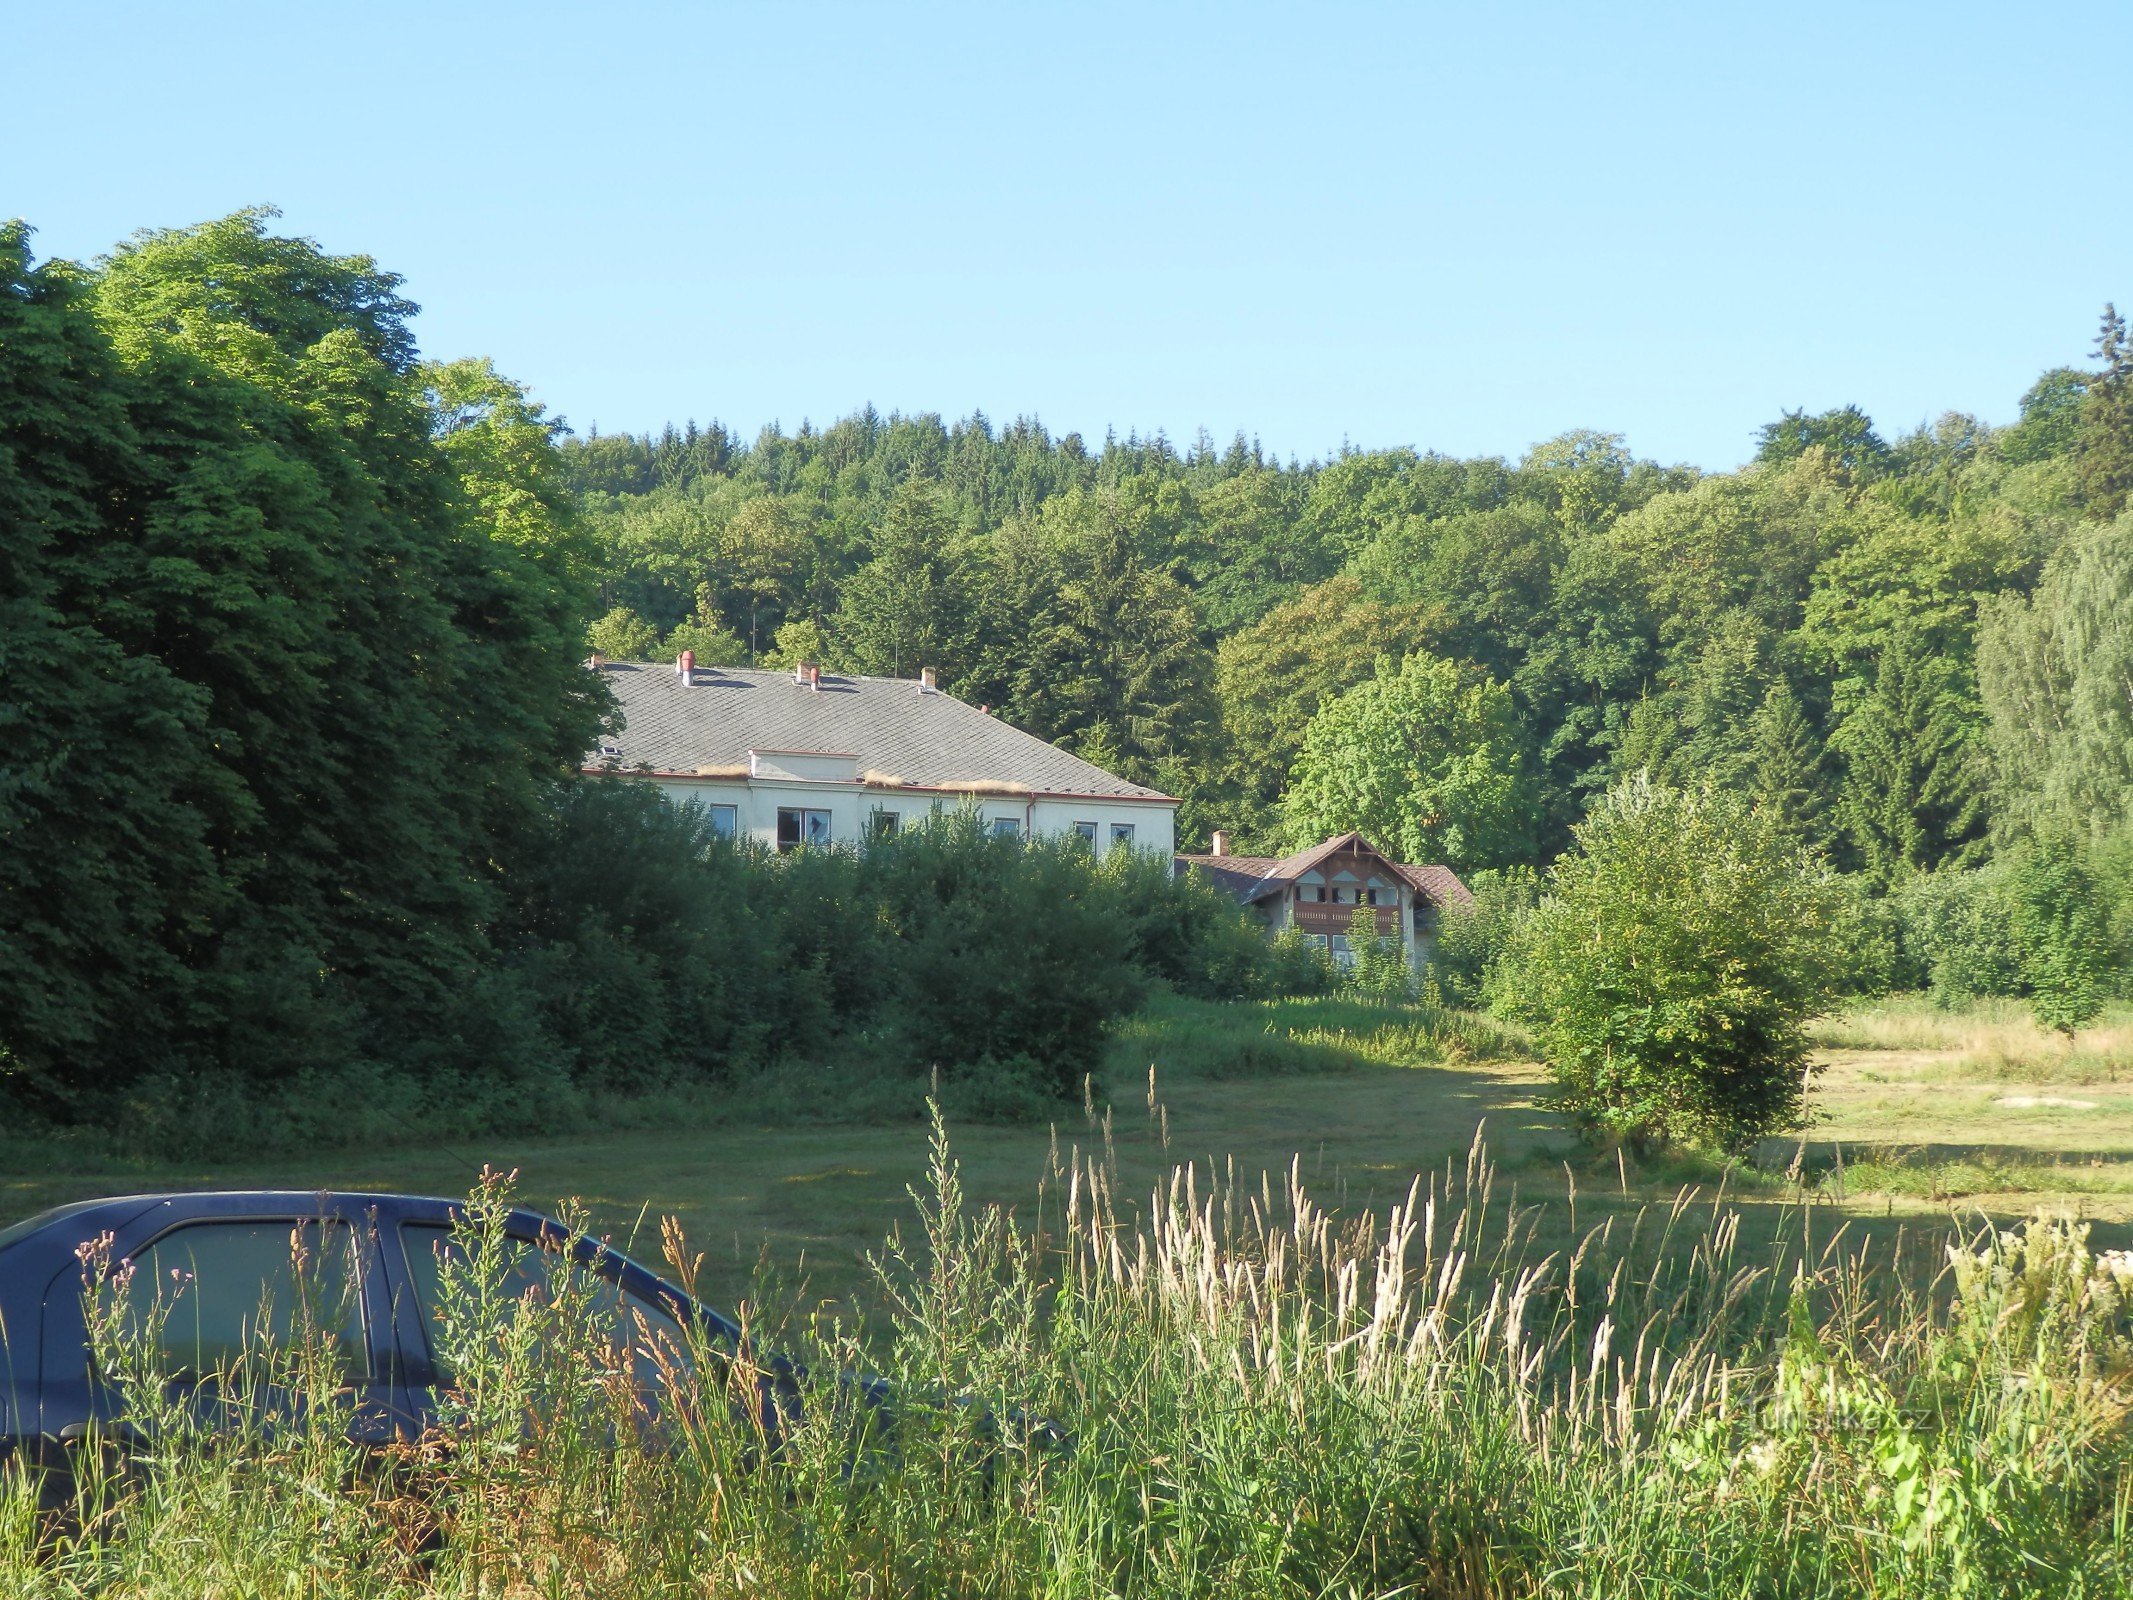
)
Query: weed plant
[{"x": 1258, "y": 1399}]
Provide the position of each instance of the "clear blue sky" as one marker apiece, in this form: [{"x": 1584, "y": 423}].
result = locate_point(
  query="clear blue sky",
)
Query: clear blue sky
[{"x": 1463, "y": 227}]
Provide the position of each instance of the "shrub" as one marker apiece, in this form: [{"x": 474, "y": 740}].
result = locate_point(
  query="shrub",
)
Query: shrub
[
  {"x": 1001, "y": 954},
  {"x": 1667, "y": 975},
  {"x": 1297, "y": 964},
  {"x": 1869, "y": 931},
  {"x": 1185, "y": 931},
  {"x": 1377, "y": 965},
  {"x": 1958, "y": 933},
  {"x": 1470, "y": 938},
  {"x": 2058, "y": 918}
]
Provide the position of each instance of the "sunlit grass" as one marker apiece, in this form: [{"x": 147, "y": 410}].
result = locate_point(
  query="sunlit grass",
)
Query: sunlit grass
[{"x": 1243, "y": 1393}]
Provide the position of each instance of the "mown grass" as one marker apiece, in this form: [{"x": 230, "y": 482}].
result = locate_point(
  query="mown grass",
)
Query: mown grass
[{"x": 1259, "y": 1398}]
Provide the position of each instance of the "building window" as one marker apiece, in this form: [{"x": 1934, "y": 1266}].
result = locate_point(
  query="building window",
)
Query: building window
[
  {"x": 797, "y": 827},
  {"x": 1086, "y": 833},
  {"x": 1122, "y": 834},
  {"x": 883, "y": 824},
  {"x": 724, "y": 820},
  {"x": 1006, "y": 827}
]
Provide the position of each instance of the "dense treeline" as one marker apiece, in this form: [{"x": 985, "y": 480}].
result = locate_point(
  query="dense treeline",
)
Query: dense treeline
[{"x": 1912, "y": 649}]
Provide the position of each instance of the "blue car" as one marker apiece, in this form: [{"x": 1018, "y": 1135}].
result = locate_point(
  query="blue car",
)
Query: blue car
[{"x": 216, "y": 1276}]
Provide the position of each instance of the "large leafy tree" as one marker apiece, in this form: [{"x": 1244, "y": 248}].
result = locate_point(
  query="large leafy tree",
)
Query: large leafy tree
[
  {"x": 1274, "y": 676},
  {"x": 109, "y": 883},
  {"x": 2054, "y": 668},
  {"x": 337, "y": 594},
  {"x": 1424, "y": 760},
  {"x": 1845, "y": 435}
]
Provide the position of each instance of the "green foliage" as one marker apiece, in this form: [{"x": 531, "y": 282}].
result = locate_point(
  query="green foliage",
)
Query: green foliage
[
  {"x": 1846, "y": 435},
  {"x": 223, "y": 441},
  {"x": 2064, "y": 940},
  {"x": 1377, "y": 963},
  {"x": 622, "y": 635},
  {"x": 1273, "y": 677},
  {"x": 909, "y": 607},
  {"x": 1914, "y": 785},
  {"x": 1470, "y": 938},
  {"x": 1298, "y": 964},
  {"x": 1959, "y": 932},
  {"x": 2104, "y": 457},
  {"x": 1672, "y": 965},
  {"x": 1423, "y": 760},
  {"x": 2054, "y": 668}
]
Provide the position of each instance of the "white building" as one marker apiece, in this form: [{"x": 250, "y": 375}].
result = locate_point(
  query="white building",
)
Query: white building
[{"x": 810, "y": 757}]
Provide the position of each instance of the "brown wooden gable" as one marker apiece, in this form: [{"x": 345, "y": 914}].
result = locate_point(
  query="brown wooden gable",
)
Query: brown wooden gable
[{"x": 1352, "y": 864}]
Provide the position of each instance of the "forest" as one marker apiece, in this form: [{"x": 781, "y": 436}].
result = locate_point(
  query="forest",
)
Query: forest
[
  {"x": 292, "y": 695},
  {"x": 1904, "y": 644},
  {"x": 1913, "y": 647}
]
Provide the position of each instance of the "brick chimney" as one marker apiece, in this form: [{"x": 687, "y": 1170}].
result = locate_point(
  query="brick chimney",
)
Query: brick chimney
[
  {"x": 927, "y": 680},
  {"x": 687, "y": 668},
  {"x": 814, "y": 677},
  {"x": 1219, "y": 846}
]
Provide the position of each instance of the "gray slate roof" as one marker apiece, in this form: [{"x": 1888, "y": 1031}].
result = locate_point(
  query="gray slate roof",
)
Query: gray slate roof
[{"x": 926, "y": 739}]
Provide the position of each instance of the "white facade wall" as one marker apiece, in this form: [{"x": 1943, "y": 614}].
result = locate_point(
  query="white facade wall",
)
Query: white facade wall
[{"x": 756, "y": 802}]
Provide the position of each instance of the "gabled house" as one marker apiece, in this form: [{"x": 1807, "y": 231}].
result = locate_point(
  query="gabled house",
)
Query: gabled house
[
  {"x": 817, "y": 758},
  {"x": 1319, "y": 891}
]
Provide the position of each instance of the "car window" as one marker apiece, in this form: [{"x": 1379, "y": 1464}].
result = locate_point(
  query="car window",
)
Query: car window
[
  {"x": 217, "y": 1295},
  {"x": 626, "y": 1321}
]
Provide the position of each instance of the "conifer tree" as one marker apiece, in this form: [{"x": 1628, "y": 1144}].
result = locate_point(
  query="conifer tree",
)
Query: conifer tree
[
  {"x": 1786, "y": 772},
  {"x": 1913, "y": 794},
  {"x": 2105, "y": 457}
]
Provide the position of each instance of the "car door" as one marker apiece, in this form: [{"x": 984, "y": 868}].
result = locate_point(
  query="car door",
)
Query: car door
[
  {"x": 639, "y": 1325},
  {"x": 216, "y": 1289}
]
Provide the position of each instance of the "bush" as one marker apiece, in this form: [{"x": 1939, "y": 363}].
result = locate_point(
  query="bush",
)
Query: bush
[
  {"x": 1470, "y": 938},
  {"x": 1669, "y": 972},
  {"x": 2037, "y": 924},
  {"x": 1958, "y": 934},
  {"x": 998, "y": 953},
  {"x": 1869, "y": 931},
  {"x": 1377, "y": 965},
  {"x": 2059, "y": 921},
  {"x": 1186, "y": 932},
  {"x": 1297, "y": 964}
]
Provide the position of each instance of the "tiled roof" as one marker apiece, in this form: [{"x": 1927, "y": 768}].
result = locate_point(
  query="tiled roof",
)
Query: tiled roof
[
  {"x": 894, "y": 729},
  {"x": 1441, "y": 884},
  {"x": 1252, "y": 878}
]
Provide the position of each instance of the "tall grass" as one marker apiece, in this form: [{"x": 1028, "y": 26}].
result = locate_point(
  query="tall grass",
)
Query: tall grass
[
  {"x": 1321, "y": 1033},
  {"x": 1992, "y": 1040},
  {"x": 1257, "y": 1399}
]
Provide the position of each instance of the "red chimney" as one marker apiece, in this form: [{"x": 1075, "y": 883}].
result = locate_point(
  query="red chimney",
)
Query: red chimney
[
  {"x": 814, "y": 677},
  {"x": 688, "y": 668}
]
